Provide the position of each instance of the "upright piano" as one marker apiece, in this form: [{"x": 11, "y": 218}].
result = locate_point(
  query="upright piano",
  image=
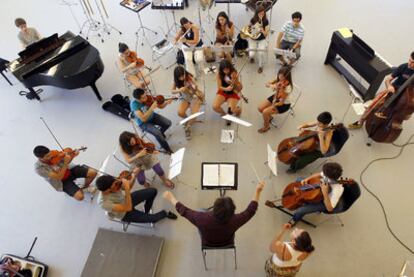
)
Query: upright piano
[
  {"x": 67, "y": 61},
  {"x": 361, "y": 57}
]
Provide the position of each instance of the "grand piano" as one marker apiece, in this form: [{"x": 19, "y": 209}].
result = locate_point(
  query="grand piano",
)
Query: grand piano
[{"x": 67, "y": 61}]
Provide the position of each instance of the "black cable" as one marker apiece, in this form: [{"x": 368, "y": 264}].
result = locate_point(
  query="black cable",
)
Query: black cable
[{"x": 402, "y": 146}]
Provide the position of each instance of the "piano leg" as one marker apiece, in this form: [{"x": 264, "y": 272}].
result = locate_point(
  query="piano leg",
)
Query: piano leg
[
  {"x": 5, "y": 77},
  {"x": 96, "y": 91},
  {"x": 31, "y": 94}
]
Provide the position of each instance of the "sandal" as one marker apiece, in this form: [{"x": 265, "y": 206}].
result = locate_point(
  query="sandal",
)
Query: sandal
[
  {"x": 169, "y": 184},
  {"x": 263, "y": 130}
]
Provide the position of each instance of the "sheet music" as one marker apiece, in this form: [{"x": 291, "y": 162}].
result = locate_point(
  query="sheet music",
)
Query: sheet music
[
  {"x": 237, "y": 120},
  {"x": 271, "y": 160},
  {"x": 190, "y": 117},
  {"x": 227, "y": 136},
  {"x": 176, "y": 163},
  {"x": 215, "y": 175}
]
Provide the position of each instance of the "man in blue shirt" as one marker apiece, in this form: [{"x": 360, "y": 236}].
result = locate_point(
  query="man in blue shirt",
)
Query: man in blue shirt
[{"x": 148, "y": 120}]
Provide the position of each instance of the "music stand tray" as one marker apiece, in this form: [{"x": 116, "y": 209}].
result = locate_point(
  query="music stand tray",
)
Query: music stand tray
[{"x": 220, "y": 176}]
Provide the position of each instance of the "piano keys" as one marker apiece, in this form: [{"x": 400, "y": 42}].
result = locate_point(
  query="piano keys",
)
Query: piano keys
[
  {"x": 362, "y": 58},
  {"x": 67, "y": 61}
]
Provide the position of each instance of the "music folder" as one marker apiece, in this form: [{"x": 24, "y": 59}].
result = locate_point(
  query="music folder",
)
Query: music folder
[{"x": 219, "y": 175}]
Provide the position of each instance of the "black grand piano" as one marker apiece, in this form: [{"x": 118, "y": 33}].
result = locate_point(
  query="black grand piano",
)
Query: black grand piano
[
  {"x": 361, "y": 57},
  {"x": 67, "y": 61}
]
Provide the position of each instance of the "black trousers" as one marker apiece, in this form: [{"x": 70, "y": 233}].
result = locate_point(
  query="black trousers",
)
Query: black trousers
[{"x": 147, "y": 195}]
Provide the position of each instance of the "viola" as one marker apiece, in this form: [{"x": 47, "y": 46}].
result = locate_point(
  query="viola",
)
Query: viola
[
  {"x": 295, "y": 194},
  {"x": 290, "y": 149},
  {"x": 160, "y": 99},
  {"x": 384, "y": 122},
  {"x": 133, "y": 58},
  {"x": 57, "y": 156},
  {"x": 149, "y": 146}
]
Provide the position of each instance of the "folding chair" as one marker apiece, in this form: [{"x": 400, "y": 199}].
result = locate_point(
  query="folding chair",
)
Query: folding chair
[
  {"x": 294, "y": 98},
  {"x": 205, "y": 248},
  {"x": 125, "y": 224}
]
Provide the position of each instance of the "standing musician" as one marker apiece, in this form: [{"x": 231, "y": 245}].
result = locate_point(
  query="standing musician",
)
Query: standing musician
[
  {"x": 291, "y": 37},
  {"x": 278, "y": 102},
  {"x": 26, "y": 35},
  {"x": 260, "y": 26},
  {"x": 132, "y": 66},
  {"x": 189, "y": 35},
  {"x": 148, "y": 120},
  {"x": 224, "y": 34},
  {"x": 190, "y": 96},
  {"x": 287, "y": 257},
  {"x": 392, "y": 83},
  {"x": 229, "y": 87},
  {"x": 56, "y": 168},
  {"x": 331, "y": 190},
  {"x": 324, "y": 139},
  {"x": 142, "y": 155},
  {"x": 116, "y": 198}
]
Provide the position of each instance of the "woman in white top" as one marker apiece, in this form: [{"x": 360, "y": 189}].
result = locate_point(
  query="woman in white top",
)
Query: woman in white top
[
  {"x": 278, "y": 102},
  {"x": 132, "y": 67},
  {"x": 287, "y": 257},
  {"x": 189, "y": 36}
]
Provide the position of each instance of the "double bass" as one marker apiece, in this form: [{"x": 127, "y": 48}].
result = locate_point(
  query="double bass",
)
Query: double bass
[
  {"x": 290, "y": 149},
  {"x": 295, "y": 194},
  {"x": 384, "y": 122}
]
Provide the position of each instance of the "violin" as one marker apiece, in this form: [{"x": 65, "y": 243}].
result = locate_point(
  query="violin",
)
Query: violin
[
  {"x": 237, "y": 85},
  {"x": 291, "y": 149},
  {"x": 133, "y": 58},
  {"x": 192, "y": 88},
  {"x": 160, "y": 99},
  {"x": 57, "y": 156},
  {"x": 125, "y": 174},
  {"x": 149, "y": 146},
  {"x": 295, "y": 194},
  {"x": 384, "y": 122}
]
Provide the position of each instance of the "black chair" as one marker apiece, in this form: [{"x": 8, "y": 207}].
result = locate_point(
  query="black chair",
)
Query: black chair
[
  {"x": 3, "y": 68},
  {"x": 351, "y": 193},
  {"x": 339, "y": 137}
]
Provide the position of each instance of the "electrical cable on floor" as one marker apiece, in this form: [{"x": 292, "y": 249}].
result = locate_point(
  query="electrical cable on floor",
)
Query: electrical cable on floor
[{"x": 402, "y": 146}]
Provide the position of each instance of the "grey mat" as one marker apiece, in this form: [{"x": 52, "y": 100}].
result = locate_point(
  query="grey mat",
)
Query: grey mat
[{"x": 122, "y": 254}]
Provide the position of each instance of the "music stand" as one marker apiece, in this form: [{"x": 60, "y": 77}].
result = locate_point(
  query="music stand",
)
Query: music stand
[
  {"x": 175, "y": 166},
  {"x": 238, "y": 122},
  {"x": 271, "y": 161},
  {"x": 219, "y": 176}
]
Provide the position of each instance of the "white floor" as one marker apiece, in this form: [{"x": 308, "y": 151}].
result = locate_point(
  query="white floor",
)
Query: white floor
[{"x": 66, "y": 228}]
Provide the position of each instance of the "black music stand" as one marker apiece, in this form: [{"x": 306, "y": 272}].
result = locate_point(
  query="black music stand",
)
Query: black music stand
[
  {"x": 220, "y": 176},
  {"x": 137, "y": 7}
]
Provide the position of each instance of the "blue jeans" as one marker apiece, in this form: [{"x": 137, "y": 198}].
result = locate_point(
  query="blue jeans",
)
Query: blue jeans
[
  {"x": 310, "y": 208},
  {"x": 151, "y": 127}
]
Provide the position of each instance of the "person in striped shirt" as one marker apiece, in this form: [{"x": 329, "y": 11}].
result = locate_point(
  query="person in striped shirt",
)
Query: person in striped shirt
[{"x": 290, "y": 38}]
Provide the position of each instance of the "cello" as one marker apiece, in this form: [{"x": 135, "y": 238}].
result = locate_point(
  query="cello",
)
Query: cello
[
  {"x": 295, "y": 194},
  {"x": 290, "y": 149},
  {"x": 384, "y": 122}
]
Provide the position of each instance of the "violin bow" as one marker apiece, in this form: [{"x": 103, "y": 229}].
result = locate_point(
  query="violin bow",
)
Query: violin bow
[{"x": 51, "y": 133}]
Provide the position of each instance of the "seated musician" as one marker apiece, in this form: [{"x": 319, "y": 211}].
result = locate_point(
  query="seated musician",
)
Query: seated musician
[
  {"x": 392, "y": 83},
  {"x": 116, "y": 198},
  {"x": 189, "y": 36},
  {"x": 278, "y": 102},
  {"x": 148, "y": 120},
  {"x": 226, "y": 78},
  {"x": 258, "y": 25},
  {"x": 290, "y": 38},
  {"x": 191, "y": 97},
  {"x": 132, "y": 67},
  {"x": 56, "y": 168},
  {"x": 135, "y": 153},
  {"x": 287, "y": 257},
  {"x": 27, "y": 35},
  {"x": 331, "y": 191},
  {"x": 224, "y": 34},
  {"x": 324, "y": 138},
  {"x": 218, "y": 227}
]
